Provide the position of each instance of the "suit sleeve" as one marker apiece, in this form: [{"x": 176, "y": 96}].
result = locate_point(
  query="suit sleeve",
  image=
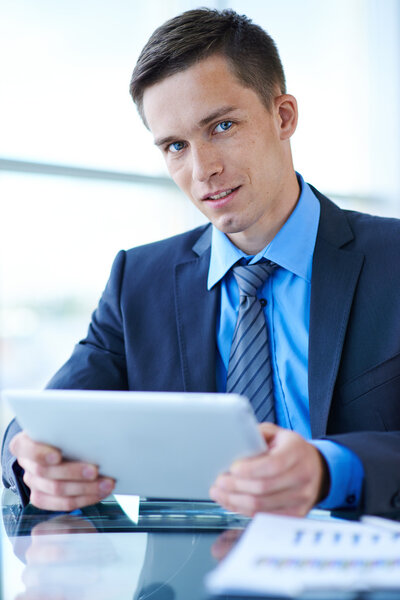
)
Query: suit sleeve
[
  {"x": 379, "y": 452},
  {"x": 97, "y": 363}
]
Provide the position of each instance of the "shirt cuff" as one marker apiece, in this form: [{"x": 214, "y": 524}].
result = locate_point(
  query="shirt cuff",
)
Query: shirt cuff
[{"x": 346, "y": 475}]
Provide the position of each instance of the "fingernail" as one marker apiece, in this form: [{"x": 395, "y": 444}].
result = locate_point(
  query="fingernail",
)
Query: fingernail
[
  {"x": 235, "y": 467},
  {"x": 106, "y": 486},
  {"x": 52, "y": 458},
  {"x": 89, "y": 472}
]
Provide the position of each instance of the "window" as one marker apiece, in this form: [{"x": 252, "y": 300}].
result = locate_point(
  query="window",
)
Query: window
[{"x": 80, "y": 177}]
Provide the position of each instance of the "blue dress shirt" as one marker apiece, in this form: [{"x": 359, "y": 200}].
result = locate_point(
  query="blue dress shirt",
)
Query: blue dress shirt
[{"x": 287, "y": 313}]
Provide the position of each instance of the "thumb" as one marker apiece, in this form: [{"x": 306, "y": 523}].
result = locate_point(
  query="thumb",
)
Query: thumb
[{"x": 269, "y": 431}]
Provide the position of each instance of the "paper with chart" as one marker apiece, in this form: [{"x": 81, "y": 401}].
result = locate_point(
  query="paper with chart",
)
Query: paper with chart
[{"x": 288, "y": 556}]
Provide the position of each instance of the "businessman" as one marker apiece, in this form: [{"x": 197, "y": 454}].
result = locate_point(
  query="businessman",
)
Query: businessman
[{"x": 283, "y": 297}]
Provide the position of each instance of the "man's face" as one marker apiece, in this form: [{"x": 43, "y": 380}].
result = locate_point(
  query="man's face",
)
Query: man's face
[{"x": 225, "y": 150}]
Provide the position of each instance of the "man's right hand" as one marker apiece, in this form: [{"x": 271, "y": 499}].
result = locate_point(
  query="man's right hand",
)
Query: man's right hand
[{"x": 57, "y": 484}]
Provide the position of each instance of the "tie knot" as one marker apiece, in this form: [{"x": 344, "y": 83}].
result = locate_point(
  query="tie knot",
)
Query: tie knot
[{"x": 250, "y": 277}]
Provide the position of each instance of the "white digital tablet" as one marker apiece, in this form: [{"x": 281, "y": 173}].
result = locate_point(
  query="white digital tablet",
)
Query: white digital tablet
[{"x": 155, "y": 445}]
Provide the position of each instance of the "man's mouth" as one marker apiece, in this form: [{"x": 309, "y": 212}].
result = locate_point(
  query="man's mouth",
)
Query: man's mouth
[{"x": 220, "y": 195}]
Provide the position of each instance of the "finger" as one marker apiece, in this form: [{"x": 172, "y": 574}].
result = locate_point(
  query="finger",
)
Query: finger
[
  {"x": 56, "y": 487},
  {"x": 302, "y": 481},
  {"x": 66, "y": 470},
  {"x": 234, "y": 491},
  {"x": 22, "y": 446},
  {"x": 73, "y": 580},
  {"x": 224, "y": 543},
  {"x": 62, "y": 504},
  {"x": 268, "y": 431},
  {"x": 241, "y": 503},
  {"x": 45, "y": 553},
  {"x": 293, "y": 492},
  {"x": 288, "y": 450},
  {"x": 259, "y": 486},
  {"x": 263, "y": 465},
  {"x": 63, "y": 524},
  {"x": 288, "y": 502}
]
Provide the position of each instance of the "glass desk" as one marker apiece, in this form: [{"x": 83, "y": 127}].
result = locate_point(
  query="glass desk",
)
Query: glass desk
[{"x": 100, "y": 553}]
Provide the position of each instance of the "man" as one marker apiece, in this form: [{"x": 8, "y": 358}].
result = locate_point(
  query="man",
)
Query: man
[{"x": 175, "y": 315}]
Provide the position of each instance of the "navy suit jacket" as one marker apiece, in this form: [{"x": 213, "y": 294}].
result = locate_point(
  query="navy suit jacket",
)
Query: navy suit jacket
[{"x": 155, "y": 329}]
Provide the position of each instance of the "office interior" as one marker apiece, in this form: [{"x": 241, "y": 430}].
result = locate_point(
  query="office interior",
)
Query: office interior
[{"x": 80, "y": 177}]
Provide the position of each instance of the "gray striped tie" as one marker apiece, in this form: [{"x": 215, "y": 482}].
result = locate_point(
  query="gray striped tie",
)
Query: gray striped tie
[{"x": 249, "y": 370}]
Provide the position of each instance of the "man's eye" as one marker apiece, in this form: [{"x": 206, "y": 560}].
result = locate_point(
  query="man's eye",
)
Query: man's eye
[
  {"x": 223, "y": 126},
  {"x": 176, "y": 147}
]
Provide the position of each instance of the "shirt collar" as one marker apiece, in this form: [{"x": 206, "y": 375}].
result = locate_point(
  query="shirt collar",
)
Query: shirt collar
[{"x": 292, "y": 248}]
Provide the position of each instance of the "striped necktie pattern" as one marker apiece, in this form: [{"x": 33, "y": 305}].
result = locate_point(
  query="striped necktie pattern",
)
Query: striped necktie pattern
[{"x": 249, "y": 369}]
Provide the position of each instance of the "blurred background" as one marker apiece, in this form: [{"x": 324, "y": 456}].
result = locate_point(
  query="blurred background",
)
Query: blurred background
[{"x": 79, "y": 175}]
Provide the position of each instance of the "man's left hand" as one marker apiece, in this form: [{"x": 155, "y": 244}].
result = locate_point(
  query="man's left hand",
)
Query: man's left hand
[{"x": 289, "y": 478}]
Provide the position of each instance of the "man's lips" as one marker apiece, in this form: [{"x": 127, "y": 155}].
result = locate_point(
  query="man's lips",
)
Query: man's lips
[{"x": 219, "y": 194}]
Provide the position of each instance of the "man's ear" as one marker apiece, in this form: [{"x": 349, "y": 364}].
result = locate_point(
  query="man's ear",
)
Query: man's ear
[{"x": 286, "y": 110}]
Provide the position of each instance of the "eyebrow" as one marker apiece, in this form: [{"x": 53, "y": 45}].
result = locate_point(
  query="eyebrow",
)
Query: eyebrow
[
  {"x": 205, "y": 121},
  {"x": 220, "y": 112}
]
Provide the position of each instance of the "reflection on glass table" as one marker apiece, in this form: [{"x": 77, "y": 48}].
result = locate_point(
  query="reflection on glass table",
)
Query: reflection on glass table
[{"x": 100, "y": 553}]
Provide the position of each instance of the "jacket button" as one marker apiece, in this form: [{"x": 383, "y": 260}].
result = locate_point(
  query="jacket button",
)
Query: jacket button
[
  {"x": 395, "y": 502},
  {"x": 350, "y": 499}
]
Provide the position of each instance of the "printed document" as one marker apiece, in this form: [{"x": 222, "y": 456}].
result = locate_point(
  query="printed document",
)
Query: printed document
[{"x": 287, "y": 556}]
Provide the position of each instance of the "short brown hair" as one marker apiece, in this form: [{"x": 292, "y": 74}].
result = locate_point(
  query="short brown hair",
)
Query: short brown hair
[{"x": 197, "y": 34}]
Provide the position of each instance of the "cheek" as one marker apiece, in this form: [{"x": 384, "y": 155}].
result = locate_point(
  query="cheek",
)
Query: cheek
[{"x": 181, "y": 175}]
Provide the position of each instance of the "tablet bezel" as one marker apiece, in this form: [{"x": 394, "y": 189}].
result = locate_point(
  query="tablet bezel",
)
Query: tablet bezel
[{"x": 177, "y": 443}]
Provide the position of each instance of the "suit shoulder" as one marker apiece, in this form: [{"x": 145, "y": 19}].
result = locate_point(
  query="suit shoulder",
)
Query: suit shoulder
[
  {"x": 367, "y": 220},
  {"x": 358, "y": 220},
  {"x": 362, "y": 231},
  {"x": 372, "y": 228}
]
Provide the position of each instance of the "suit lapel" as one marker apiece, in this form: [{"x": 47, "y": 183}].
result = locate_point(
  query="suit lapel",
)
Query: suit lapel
[
  {"x": 334, "y": 278},
  {"x": 196, "y": 310}
]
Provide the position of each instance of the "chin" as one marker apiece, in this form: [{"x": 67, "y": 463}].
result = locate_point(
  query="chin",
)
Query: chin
[{"x": 228, "y": 225}]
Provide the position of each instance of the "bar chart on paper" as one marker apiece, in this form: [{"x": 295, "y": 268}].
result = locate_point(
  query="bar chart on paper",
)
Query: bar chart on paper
[{"x": 286, "y": 555}]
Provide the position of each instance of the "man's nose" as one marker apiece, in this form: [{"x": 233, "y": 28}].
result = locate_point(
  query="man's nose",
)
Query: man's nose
[{"x": 206, "y": 162}]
